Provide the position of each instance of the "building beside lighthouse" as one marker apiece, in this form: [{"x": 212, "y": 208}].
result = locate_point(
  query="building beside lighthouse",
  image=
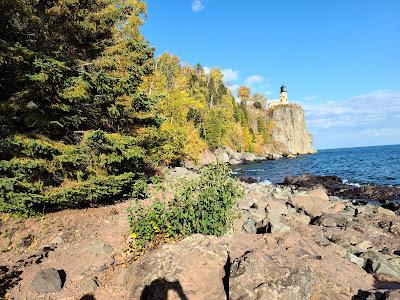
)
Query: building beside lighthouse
[{"x": 283, "y": 99}]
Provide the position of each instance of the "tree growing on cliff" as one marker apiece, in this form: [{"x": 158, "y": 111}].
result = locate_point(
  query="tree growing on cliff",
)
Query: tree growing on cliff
[
  {"x": 261, "y": 99},
  {"x": 244, "y": 93}
]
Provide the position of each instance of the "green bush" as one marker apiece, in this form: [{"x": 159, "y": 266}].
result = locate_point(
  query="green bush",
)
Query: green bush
[
  {"x": 203, "y": 206},
  {"x": 46, "y": 175}
]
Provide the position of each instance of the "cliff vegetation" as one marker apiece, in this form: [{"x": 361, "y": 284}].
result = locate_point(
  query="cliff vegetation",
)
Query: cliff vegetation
[{"x": 87, "y": 112}]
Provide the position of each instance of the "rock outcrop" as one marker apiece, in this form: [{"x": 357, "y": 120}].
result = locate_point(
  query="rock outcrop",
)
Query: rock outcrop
[
  {"x": 290, "y": 137},
  {"x": 290, "y": 134},
  {"x": 286, "y": 243}
]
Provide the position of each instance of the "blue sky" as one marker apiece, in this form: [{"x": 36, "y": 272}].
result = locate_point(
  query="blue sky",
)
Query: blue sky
[{"x": 340, "y": 59}]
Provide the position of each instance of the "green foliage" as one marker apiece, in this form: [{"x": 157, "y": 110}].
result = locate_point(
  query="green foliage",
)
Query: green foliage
[
  {"x": 48, "y": 175},
  {"x": 216, "y": 127},
  {"x": 257, "y": 104},
  {"x": 202, "y": 206},
  {"x": 85, "y": 108},
  {"x": 67, "y": 66},
  {"x": 71, "y": 111}
]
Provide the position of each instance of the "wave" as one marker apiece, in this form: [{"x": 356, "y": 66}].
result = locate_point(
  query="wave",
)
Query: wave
[
  {"x": 345, "y": 181},
  {"x": 265, "y": 182}
]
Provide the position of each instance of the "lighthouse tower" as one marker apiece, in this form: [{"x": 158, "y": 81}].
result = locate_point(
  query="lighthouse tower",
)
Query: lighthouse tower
[
  {"x": 283, "y": 99},
  {"x": 283, "y": 95}
]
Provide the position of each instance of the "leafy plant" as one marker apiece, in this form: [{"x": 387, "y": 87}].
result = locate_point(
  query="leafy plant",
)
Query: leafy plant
[{"x": 203, "y": 206}]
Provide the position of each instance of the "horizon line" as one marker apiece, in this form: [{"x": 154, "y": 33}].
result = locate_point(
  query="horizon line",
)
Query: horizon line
[{"x": 358, "y": 147}]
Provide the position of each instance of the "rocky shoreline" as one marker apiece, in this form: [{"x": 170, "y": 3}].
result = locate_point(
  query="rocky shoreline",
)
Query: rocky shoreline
[
  {"x": 294, "y": 241},
  {"x": 386, "y": 196},
  {"x": 289, "y": 243},
  {"x": 226, "y": 155}
]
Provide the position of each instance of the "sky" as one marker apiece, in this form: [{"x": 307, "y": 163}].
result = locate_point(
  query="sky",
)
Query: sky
[{"x": 339, "y": 59}]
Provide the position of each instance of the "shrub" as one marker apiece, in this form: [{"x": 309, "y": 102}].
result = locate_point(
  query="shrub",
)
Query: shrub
[
  {"x": 203, "y": 206},
  {"x": 47, "y": 175}
]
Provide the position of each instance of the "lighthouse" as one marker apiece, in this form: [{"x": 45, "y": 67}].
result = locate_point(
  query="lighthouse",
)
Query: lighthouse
[
  {"x": 283, "y": 95},
  {"x": 283, "y": 98}
]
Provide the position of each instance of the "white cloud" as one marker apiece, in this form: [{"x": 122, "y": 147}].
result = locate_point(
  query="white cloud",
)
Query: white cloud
[
  {"x": 197, "y": 5},
  {"x": 206, "y": 70},
  {"x": 253, "y": 79},
  {"x": 364, "y": 111},
  {"x": 230, "y": 74},
  {"x": 311, "y": 97}
]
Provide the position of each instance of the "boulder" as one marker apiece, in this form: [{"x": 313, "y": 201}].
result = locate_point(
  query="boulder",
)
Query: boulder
[
  {"x": 385, "y": 212},
  {"x": 298, "y": 218},
  {"x": 233, "y": 154},
  {"x": 378, "y": 263},
  {"x": 249, "y": 156},
  {"x": 355, "y": 259},
  {"x": 257, "y": 214},
  {"x": 47, "y": 281},
  {"x": 364, "y": 245},
  {"x": 194, "y": 267},
  {"x": 315, "y": 204},
  {"x": 234, "y": 162},
  {"x": 336, "y": 187},
  {"x": 280, "y": 193},
  {"x": 221, "y": 155},
  {"x": 90, "y": 285},
  {"x": 319, "y": 193},
  {"x": 247, "y": 179},
  {"x": 276, "y": 226},
  {"x": 249, "y": 225},
  {"x": 321, "y": 240},
  {"x": 332, "y": 220},
  {"x": 274, "y": 156},
  {"x": 256, "y": 199},
  {"x": 207, "y": 157},
  {"x": 276, "y": 208},
  {"x": 255, "y": 275}
]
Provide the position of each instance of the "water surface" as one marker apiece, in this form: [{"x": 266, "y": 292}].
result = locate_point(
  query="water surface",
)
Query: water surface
[{"x": 378, "y": 164}]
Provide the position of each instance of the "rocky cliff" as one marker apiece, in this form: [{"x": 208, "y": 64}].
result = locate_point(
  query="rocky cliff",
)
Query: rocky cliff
[
  {"x": 290, "y": 134},
  {"x": 288, "y": 137}
]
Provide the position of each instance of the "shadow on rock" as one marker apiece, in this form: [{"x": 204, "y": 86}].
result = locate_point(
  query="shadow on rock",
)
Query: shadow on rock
[
  {"x": 382, "y": 291},
  {"x": 158, "y": 290},
  {"x": 8, "y": 279},
  {"x": 10, "y": 276},
  {"x": 88, "y": 297},
  {"x": 63, "y": 277}
]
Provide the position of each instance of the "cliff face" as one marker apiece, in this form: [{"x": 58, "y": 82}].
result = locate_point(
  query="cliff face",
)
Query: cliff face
[{"x": 290, "y": 133}]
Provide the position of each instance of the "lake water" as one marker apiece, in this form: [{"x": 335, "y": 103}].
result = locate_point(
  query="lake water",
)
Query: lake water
[{"x": 378, "y": 164}]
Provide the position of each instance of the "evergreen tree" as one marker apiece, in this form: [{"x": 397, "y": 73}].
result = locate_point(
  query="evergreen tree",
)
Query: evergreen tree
[{"x": 75, "y": 65}]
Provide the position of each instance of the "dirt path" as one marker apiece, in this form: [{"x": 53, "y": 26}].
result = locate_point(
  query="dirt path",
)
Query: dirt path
[{"x": 68, "y": 235}]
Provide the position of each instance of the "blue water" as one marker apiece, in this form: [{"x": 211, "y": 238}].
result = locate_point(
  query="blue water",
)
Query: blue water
[{"x": 378, "y": 165}]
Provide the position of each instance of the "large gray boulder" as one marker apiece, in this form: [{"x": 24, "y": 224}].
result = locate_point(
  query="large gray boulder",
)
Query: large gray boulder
[
  {"x": 379, "y": 263},
  {"x": 47, "y": 281}
]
